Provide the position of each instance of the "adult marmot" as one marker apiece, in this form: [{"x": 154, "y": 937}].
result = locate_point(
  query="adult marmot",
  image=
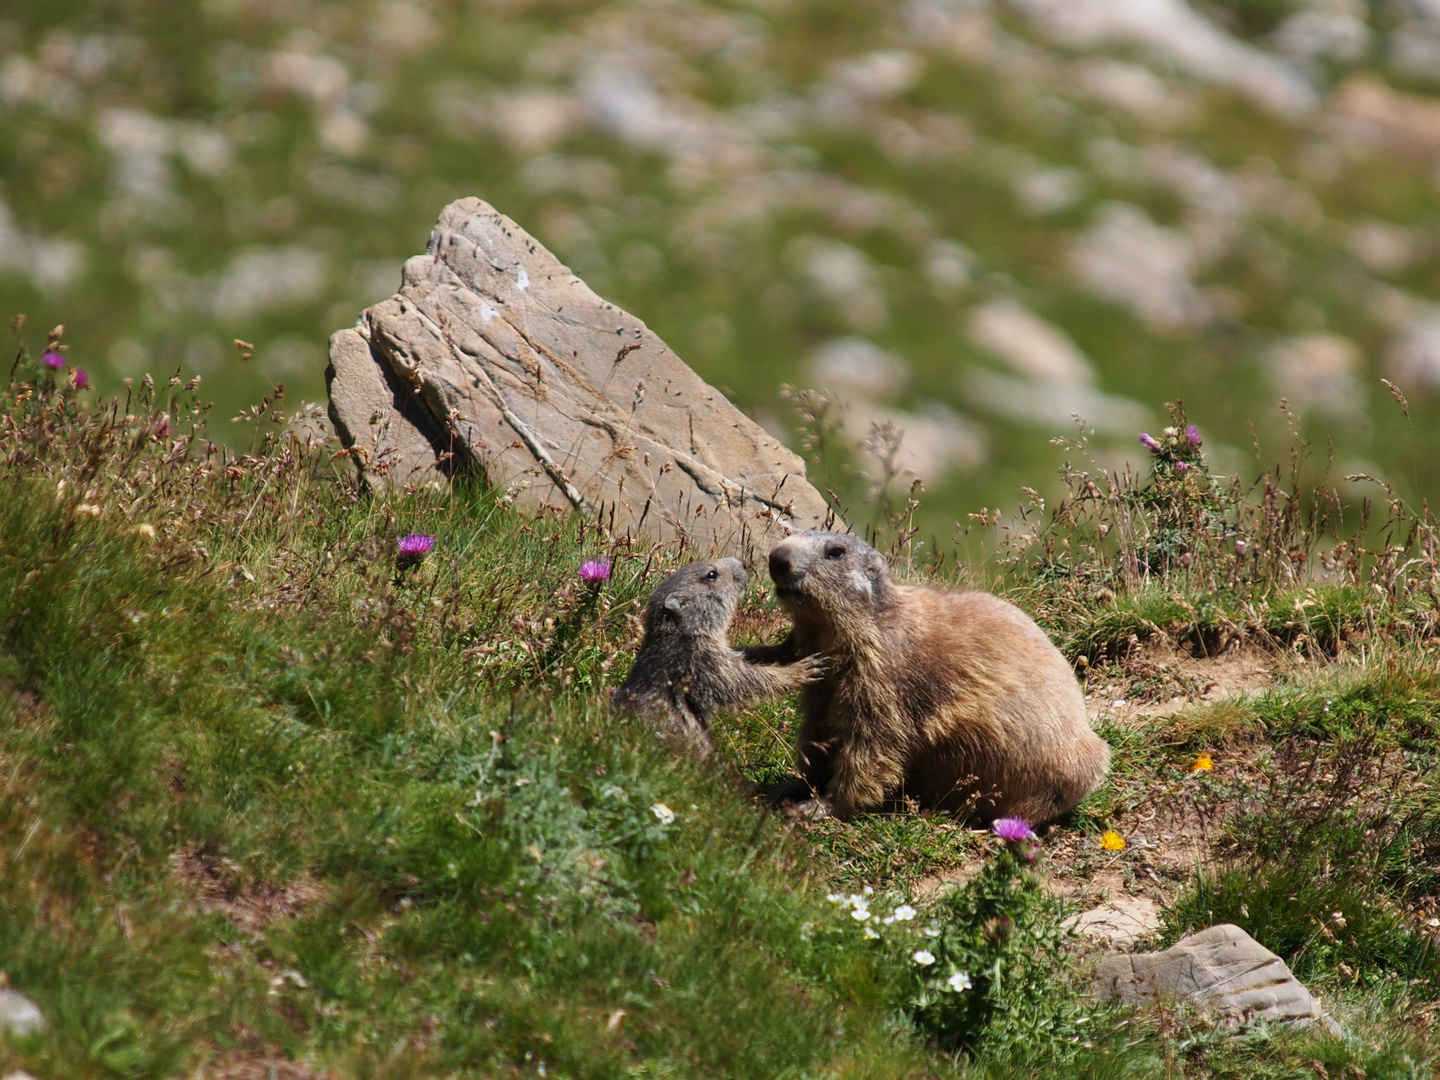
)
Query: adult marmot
[
  {"x": 686, "y": 669},
  {"x": 955, "y": 698}
]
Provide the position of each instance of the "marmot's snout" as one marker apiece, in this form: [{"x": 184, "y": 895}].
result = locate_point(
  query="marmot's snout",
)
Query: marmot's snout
[{"x": 781, "y": 565}]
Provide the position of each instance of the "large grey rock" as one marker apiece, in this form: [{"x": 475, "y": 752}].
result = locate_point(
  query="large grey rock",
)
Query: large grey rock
[
  {"x": 1223, "y": 971},
  {"x": 18, "y": 1014},
  {"x": 386, "y": 428},
  {"x": 555, "y": 395}
]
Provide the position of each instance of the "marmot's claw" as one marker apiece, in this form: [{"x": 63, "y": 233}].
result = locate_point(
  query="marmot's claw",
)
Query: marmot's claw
[{"x": 813, "y": 667}]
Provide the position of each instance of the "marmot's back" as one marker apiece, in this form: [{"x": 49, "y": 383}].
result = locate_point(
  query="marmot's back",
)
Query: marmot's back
[{"x": 1012, "y": 712}]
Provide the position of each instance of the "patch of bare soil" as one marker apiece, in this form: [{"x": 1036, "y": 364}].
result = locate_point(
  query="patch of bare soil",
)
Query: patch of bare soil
[
  {"x": 218, "y": 885},
  {"x": 1162, "y": 678},
  {"x": 255, "y": 1067},
  {"x": 1171, "y": 824}
]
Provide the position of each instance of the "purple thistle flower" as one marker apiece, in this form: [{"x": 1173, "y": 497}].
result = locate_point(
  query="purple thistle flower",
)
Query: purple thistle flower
[
  {"x": 594, "y": 571},
  {"x": 53, "y": 360},
  {"x": 1193, "y": 434},
  {"x": 1148, "y": 442},
  {"x": 1181, "y": 466},
  {"x": 411, "y": 549},
  {"x": 1012, "y": 829},
  {"x": 81, "y": 379}
]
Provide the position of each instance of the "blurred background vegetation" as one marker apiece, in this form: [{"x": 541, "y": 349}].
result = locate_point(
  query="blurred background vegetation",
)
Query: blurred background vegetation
[{"x": 971, "y": 218}]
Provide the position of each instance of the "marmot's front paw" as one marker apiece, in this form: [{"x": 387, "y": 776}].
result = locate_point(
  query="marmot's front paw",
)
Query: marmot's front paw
[
  {"x": 790, "y": 790},
  {"x": 812, "y": 668}
]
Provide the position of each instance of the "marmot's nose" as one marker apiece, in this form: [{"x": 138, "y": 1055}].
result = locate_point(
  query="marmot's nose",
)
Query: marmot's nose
[{"x": 779, "y": 565}]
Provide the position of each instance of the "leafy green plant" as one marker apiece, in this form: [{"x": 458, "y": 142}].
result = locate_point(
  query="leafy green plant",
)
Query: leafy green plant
[{"x": 995, "y": 970}]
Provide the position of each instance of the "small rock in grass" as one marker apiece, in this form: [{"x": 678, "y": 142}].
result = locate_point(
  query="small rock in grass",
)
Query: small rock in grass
[
  {"x": 18, "y": 1014},
  {"x": 1224, "y": 972},
  {"x": 1121, "y": 923}
]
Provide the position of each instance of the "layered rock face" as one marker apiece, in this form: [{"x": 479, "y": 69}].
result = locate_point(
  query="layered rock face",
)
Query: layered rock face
[{"x": 494, "y": 358}]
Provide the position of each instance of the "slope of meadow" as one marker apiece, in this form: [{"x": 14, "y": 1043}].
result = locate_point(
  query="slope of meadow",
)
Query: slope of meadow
[
  {"x": 968, "y": 217},
  {"x": 277, "y": 806}
]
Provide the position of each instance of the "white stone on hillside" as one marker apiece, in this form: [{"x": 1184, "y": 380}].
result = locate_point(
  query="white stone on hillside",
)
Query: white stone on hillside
[
  {"x": 858, "y": 366},
  {"x": 949, "y": 266},
  {"x": 1384, "y": 247},
  {"x": 1049, "y": 191},
  {"x": 845, "y": 277},
  {"x": 1313, "y": 35},
  {"x": 1173, "y": 33},
  {"x": 879, "y": 75},
  {"x": 1054, "y": 406},
  {"x": 1408, "y": 123},
  {"x": 259, "y": 280},
  {"x": 18, "y": 1014},
  {"x": 1318, "y": 371},
  {"x": 1133, "y": 88},
  {"x": 1033, "y": 347},
  {"x": 1412, "y": 357},
  {"x": 1127, "y": 258}
]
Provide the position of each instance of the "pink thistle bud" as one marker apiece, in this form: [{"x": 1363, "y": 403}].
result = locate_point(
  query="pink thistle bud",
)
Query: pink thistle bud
[
  {"x": 413, "y": 548},
  {"x": 594, "y": 571},
  {"x": 1012, "y": 829},
  {"x": 53, "y": 360},
  {"x": 80, "y": 379},
  {"x": 1148, "y": 442}
]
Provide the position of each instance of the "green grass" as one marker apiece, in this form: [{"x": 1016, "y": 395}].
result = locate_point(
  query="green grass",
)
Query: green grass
[{"x": 268, "y": 797}]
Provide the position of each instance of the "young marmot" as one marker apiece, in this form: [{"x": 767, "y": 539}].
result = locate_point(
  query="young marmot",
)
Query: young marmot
[
  {"x": 954, "y": 698},
  {"x": 686, "y": 669}
]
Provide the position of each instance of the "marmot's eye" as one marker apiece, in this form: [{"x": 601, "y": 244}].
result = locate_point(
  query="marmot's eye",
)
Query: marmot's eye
[
  {"x": 836, "y": 552},
  {"x": 712, "y": 575}
]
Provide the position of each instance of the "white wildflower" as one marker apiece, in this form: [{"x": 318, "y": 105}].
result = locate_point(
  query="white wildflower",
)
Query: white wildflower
[
  {"x": 959, "y": 981},
  {"x": 923, "y": 957},
  {"x": 931, "y": 931},
  {"x": 860, "y": 914},
  {"x": 869, "y": 934},
  {"x": 903, "y": 913},
  {"x": 835, "y": 897},
  {"x": 663, "y": 812}
]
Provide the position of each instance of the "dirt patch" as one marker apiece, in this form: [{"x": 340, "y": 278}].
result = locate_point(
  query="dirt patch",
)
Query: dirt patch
[
  {"x": 219, "y": 886},
  {"x": 255, "y": 1067},
  {"x": 1162, "y": 678}
]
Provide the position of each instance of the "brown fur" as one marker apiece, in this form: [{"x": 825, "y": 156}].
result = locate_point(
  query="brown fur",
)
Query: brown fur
[
  {"x": 956, "y": 699},
  {"x": 686, "y": 670}
]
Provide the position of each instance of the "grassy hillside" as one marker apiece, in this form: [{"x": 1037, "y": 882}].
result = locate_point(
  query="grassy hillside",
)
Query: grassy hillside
[
  {"x": 969, "y": 217},
  {"x": 275, "y": 805}
]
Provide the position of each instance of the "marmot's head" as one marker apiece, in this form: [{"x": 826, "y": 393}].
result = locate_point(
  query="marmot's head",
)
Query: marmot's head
[
  {"x": 828, "y": 575},
  {"x": 698, "y": 600}
]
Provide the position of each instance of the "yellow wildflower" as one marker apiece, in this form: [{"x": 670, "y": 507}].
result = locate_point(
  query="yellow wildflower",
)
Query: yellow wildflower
[
  {"x": 1110, "y": 840},
  {"x": 1203, "y": 763}
]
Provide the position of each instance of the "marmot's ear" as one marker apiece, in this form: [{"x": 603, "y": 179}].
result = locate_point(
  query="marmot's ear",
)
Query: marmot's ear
[
  {"x": 875, "y": 565},
  {"x": 672, "y": 603}
]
